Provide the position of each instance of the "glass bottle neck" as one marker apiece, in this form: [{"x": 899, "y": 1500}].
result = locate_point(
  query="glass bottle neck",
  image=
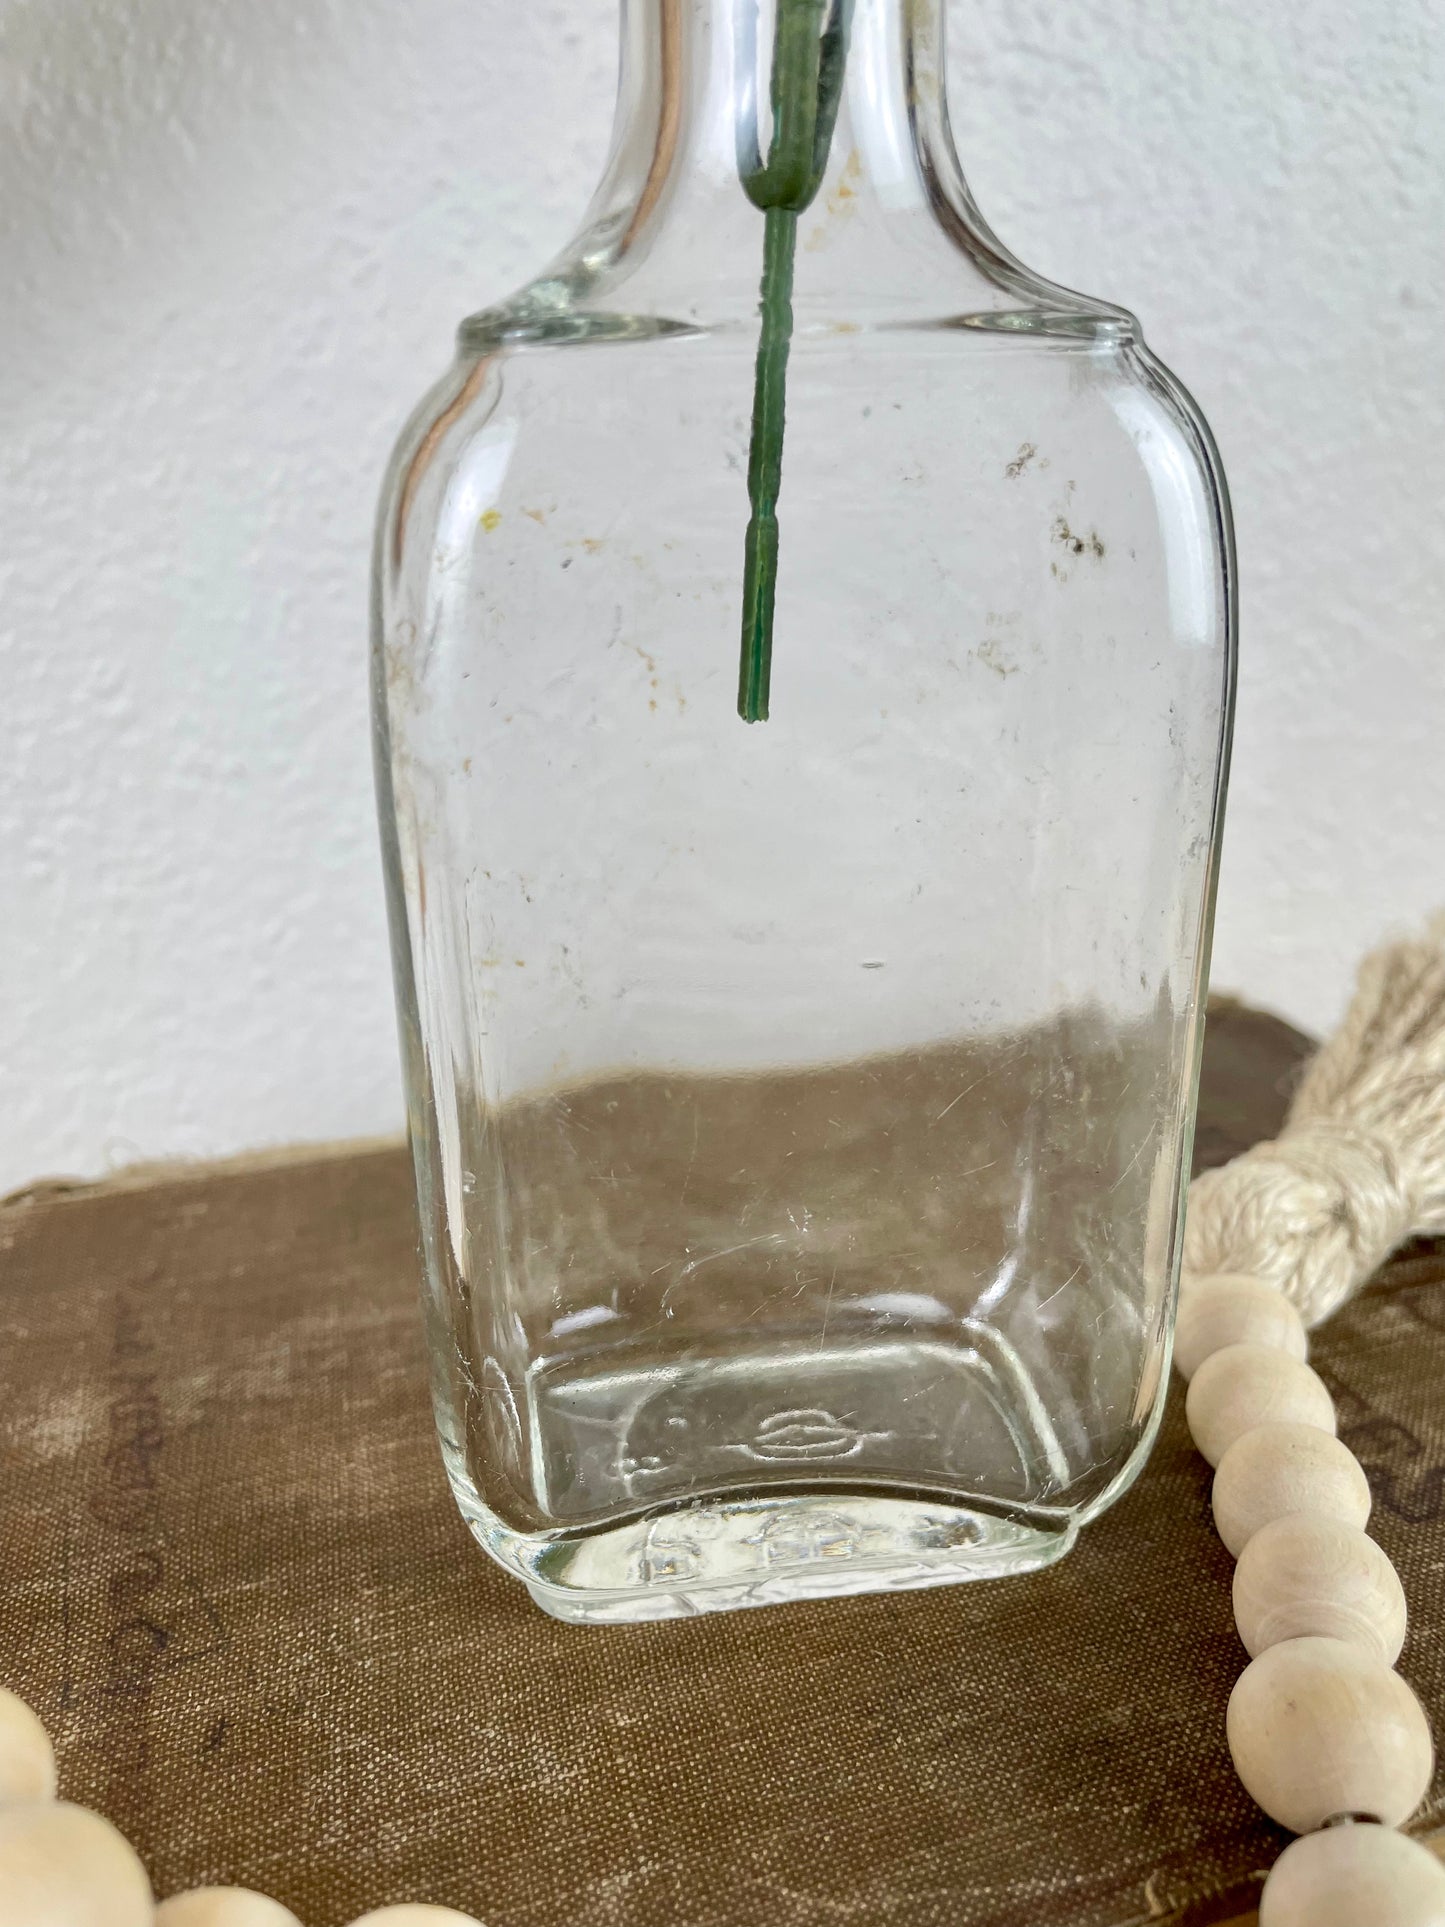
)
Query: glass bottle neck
[
  {"x": 695, "y": 82},
  {"x": 891, "y": 233}
]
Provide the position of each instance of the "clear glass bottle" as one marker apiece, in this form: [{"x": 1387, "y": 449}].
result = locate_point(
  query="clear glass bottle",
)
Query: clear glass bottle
[{"x": 800, "y": 1111}]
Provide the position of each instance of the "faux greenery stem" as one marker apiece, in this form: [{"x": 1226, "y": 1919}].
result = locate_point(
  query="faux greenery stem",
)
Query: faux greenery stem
[
  {"x": 809, "y": 49},
  {"x": 765, "y": 463}
]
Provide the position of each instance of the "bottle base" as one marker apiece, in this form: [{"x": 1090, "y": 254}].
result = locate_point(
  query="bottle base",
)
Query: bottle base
[{"x": 762, "y": 1551}]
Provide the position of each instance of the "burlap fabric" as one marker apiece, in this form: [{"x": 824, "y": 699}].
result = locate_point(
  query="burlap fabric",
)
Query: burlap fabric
[{"x": 235, "y": 1588}]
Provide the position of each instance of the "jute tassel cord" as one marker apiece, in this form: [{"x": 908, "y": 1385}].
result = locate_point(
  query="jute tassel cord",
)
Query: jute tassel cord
[
  {"x": 1360, "y": 1166},
  {"x": 1324, "y": 1734}
]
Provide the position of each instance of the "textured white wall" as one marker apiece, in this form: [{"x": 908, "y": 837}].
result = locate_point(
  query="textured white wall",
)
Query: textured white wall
[{"x": 235, "y": 241}]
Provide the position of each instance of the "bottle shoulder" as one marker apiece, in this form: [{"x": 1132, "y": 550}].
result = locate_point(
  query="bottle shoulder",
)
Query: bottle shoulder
[
  {"x": 508, "y": 360},
  {"x": 534, "y": 316},
  {"x": 928, "y": 260},
  {"x": 856, "y": 269},
  {"x": 935, "y": 419},
  {"x": 670, "y": 378}
]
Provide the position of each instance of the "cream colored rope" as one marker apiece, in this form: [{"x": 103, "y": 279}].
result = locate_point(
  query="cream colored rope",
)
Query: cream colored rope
[{"x": 1360, "y": 1165}]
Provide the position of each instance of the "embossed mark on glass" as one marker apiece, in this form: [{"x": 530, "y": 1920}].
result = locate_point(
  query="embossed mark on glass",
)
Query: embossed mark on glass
[{"x": 800, "y": 1106}]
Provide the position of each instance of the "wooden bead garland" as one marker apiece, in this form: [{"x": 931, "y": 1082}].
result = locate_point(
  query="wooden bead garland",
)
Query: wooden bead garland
[
  {"x": 61, "y": 1866},
  {"x": 1233, "y": 1310},
  {"x": 1305, "y": 1574},
  {"x": 1349, "y": 1876},
  {"x": 27, "y": 1759},
  {"x": 223, "y": 1907},
  {"x": 1317, "y": 1717},
  {"x": 1277, "y": 1470},
  {"x": 415, "y": 1916},
  {"x": 1318, "y": 1728},
  {"x": 1322, "y": 1732},
  {"x": 1242, "y": 1386}
]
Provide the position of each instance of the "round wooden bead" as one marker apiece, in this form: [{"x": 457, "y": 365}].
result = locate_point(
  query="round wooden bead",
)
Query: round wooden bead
[
  {"x": 1308, "y": 1574},
  {"x": 223, "y": 1907},
  {"x": 1317, "y": 1728},
  {"x": 27, "y": 1759},
  {"x": 1279, "y": 1469},
  {"x": 1347, "y": 1876},
  {"x": 1247, "y": 1385},
  {"x": 61, "y": 1866},
  {"x": 1228, "y": 1308},
  {"x": 416, "y": 1916}
]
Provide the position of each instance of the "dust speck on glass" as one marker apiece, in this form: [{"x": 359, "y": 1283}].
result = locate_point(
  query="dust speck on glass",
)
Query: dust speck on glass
[{"x": 800, "y": 1114}]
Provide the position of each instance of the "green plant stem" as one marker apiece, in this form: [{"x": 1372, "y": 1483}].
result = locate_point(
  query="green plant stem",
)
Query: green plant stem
[
  {"x": 805, "y": 86},
  {"x": 765, "y": 463}
]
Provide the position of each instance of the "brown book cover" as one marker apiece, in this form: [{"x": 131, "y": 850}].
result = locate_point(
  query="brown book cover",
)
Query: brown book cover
[{"x": 235, "y": 1588}]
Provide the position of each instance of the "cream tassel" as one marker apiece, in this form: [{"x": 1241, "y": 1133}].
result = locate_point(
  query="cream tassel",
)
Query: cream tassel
[{"x": 1360, "y": 1165}]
